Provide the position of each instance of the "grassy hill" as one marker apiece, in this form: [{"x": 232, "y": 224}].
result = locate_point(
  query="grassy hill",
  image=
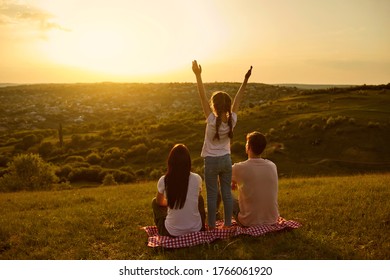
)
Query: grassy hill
[
  {"x": 322, "y": 132},
  {"x": 130, "y": 128},
  {"x": 330, "y": 146},
  {"x": 345, "y": 217}
]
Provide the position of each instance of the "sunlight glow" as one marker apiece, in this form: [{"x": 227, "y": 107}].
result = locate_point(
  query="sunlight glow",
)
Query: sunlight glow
[
  {"x": 134, "y": 44},
  {"x": 152, "y": 40}
]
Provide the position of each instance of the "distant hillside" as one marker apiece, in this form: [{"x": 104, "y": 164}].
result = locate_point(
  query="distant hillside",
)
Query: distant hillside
[
  {"x": 130, "y": 128},
  {"x": 314, "y": 86},
  {"x": 7, "y": 84}
]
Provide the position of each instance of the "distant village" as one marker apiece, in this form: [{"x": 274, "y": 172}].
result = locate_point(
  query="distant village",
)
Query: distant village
[{"x": 45, "y": 106}]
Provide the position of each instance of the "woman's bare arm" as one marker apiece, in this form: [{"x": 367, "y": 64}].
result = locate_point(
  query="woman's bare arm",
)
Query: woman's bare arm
[{"x": 161, "y": 200}]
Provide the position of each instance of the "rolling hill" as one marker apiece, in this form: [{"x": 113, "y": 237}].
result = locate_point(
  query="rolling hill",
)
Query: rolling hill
[{"x": 131, "y": 127}]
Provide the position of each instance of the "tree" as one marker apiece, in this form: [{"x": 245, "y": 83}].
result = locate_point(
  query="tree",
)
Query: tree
[
  {"x": 29, "y": 141},
  {"x": 28, "y": 172},
  {"x": 60, "y": 136},
  {"x": 45, "y": 149}
]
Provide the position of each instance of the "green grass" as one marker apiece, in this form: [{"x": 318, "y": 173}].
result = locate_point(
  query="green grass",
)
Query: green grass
[{"x": 343, "y": 218}]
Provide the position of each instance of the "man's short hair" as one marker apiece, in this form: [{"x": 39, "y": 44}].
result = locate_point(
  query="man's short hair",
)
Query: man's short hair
[{"x": 257, "y": 142}]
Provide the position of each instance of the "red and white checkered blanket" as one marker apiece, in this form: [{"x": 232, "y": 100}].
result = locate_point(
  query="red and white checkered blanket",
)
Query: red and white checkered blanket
[{"x": 200, "y": 237}]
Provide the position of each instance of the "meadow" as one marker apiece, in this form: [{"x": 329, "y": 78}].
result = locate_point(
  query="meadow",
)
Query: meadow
[
  {"x": 330, "y": 146},
  {"x": 343, "y": 217}
]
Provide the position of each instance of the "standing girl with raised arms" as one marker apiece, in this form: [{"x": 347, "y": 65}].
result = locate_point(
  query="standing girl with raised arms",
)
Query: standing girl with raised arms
[{"x": 221, "y": 118}]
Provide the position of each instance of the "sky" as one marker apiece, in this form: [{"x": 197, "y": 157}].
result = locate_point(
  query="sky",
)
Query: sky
[{"x": 286, "y": 41}]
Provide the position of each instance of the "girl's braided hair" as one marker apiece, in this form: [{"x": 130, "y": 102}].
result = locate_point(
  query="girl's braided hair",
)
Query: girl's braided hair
[{"x": 222, "y": 103}]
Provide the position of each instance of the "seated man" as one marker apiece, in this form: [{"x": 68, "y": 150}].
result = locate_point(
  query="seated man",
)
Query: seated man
[{"x": 257, "y": 182}]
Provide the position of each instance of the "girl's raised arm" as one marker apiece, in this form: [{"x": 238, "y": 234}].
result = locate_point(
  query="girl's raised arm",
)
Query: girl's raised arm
[
  {"x": 197, "y": 69},
  {"x": 240, "y": 93}
]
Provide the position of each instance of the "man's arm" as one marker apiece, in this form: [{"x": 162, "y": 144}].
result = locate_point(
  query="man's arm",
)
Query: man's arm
[
  {"x": 197, "y": 69},
  {"x": 234, "y": 185},
  {"x": 234, "y": 177},
  {"x": 240, "y": 93}
]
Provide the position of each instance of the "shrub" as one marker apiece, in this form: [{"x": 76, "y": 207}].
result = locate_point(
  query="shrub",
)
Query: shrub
[
  {"x": 113, "y": 152},
  {"x": 64, "y": 171},
  {"x": 315, "y": 127},
  {"x": 11, "y": 141},
  {"x": 140, "y": 173},
  {"x": 80, "y": 164},
  {"x": 340, "y": 119},
  {"x": 237, "y": 147},
  {"x": 45, "y": 149},
  {"x": 285, "y": 123},
  {"x": 119, "y": 175},
  {"x": 334, "y": 121},
  {"x": 154, "y": 154},
  {"x": 127, "y": 169},
  {"x": 107, "y": 133},
  {"x": 77, "y": 142},
  {"x": 302, "y": 105},
  {"x": 71, "y": 159},
  {"x": 374, "y": 125},
  {"x": 4, "y": 160},
  {"x": 158, "y": 143},
  {"x": 330, "y": 122},
  {"x": 89, "y": 174},
  {"x": 28, "y": 172},
  {"x": 109, "y": 180},
  {"x": 65, "y": 185},
  {"x": 123, "y": 177},
  {"x": 155, "y": 174},
  {"x": 93, "y": 158},
  {"x": 351, "y": 121},
  {"x": 138, "y": 140},
  {"x": 137, "y": 150},
  {"x": 29, "y": 141}
]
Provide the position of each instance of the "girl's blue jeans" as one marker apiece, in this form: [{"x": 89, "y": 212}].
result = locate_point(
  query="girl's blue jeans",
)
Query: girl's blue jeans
[{"x": 218, "y": 170}]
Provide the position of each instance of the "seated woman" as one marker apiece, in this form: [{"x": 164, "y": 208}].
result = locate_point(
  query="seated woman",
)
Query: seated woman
[{"x": 178, "y": 207}]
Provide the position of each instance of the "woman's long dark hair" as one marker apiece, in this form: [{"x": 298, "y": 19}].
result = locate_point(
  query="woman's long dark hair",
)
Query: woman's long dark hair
[
  {"x": 222, "y": 104},
  {"x": 177, "y": 176}
]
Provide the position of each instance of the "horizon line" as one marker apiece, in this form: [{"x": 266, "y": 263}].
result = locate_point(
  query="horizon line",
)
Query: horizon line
[{"x": 307, "y": 86}]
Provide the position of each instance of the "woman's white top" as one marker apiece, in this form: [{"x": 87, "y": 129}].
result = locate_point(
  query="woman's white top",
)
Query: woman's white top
[{"x": 187, "y": 219}]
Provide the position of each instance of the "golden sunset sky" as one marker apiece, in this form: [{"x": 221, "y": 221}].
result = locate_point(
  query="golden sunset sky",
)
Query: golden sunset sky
[{"x": 286, "y": 41}]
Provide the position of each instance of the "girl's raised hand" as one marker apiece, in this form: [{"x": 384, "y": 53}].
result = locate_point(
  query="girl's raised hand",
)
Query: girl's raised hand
[
  {"x": 248, "y": 74},
  {"x": 197, "y": 69}
]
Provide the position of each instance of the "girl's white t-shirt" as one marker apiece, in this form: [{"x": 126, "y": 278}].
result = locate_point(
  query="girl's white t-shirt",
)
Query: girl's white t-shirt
[
  {"x": 221, "y": 147},
  {"x": 187, "y": 219}
]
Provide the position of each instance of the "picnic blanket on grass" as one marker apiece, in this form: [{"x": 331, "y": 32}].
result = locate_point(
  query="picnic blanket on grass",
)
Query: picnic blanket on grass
[{"x": 201, "y": 237}]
